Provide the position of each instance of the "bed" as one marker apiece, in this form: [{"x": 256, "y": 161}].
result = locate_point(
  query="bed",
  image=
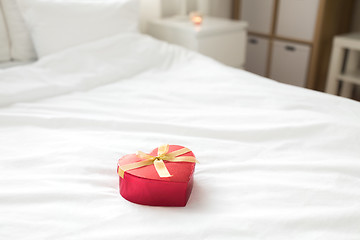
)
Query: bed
[{"x": 276, "y": 161}]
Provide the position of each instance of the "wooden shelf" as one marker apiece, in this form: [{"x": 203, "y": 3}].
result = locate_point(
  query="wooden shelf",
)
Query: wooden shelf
[
  {"x": 293, "y": 40},
  {"x": 333, "y": 18},
  {"x": 259, "y": 34},
  {"x": 272, "y": 36}
]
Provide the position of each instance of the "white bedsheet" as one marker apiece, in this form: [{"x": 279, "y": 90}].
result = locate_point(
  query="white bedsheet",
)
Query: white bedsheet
[{"x": 277, "y": 162}]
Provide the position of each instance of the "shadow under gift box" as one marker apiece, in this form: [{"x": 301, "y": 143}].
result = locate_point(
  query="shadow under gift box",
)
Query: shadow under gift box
[{"x": 144, "y": 185}]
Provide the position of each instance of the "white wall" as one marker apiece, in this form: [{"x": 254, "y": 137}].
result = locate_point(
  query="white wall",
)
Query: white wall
[
  {"x": 170, "y": 7},
  {"x": 221, "y": 8},
  {"x": 217, "y": 8}
]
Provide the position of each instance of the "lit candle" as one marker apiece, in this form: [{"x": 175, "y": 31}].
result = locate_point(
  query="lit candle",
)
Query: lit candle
[{"x": 196, "y": 18}]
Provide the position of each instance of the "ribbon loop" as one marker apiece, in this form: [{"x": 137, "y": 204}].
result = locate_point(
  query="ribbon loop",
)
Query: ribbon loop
[
  {"x": 161, "y": 168},
  {"x": 158, "y": 160},
  {"x": 163, "y": 149},
  {"x": 143, "y": 155}
]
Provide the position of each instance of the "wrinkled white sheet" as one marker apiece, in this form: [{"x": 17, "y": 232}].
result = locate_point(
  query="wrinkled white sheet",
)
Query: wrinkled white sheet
[{"x": 277, "y": 162}]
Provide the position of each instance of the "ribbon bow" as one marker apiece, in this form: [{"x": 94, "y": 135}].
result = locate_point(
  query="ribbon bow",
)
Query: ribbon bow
[{"x": 158, "y": 161}]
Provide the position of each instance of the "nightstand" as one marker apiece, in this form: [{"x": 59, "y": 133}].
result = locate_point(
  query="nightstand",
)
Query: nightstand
[{"x": 221, "y": 39}]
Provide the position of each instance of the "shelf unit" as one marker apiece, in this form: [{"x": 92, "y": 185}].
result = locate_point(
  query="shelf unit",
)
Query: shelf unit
[
  {"x": 352, "y": 77},
  {"x": 307, "y": 23},
  {"x": 344, "y": 71}
]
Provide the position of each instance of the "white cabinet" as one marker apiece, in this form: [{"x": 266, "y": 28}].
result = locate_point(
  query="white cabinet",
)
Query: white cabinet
[
  {"x": 289, "y": 63},
  {"x": 221, "y": 39},
  {"x": 297, "y": 19},
  {"x": 258, "y": 13},
  {"x": 257, "y": 49},
  {"x": 228, "y": 48}
]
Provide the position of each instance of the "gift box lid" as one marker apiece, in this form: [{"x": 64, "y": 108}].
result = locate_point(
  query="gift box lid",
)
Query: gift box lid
[{"x": 180, "y": 171}]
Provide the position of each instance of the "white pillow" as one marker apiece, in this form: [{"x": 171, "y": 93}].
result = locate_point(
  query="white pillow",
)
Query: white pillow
[
  {"x": 4, "y": 39},
  {"x": 21, "y": 46},
  {"x": 59, "y": 24}
]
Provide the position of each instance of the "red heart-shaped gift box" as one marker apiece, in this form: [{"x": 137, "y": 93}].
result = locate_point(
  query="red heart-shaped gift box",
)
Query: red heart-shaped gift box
[{"x": 143, "y": 185}]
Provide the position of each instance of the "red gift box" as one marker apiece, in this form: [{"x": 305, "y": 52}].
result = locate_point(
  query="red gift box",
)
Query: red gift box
[{"x": 162, "y": 178}]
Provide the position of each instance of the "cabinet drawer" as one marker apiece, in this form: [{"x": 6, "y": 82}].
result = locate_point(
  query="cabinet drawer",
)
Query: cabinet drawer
[
  {"x": 258, "y": 13},
  {"x": 256, "y": 55},
  {"x": 297, "y": 19},
  {"x": 289, "y": 63}
]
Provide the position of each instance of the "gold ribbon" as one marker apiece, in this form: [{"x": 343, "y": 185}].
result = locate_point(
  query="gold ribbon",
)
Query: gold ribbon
[{"x": 158, "y": 161}]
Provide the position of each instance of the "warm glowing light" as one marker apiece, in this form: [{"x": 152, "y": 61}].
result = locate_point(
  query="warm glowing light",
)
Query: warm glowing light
[{"x": 196, "y": 18}]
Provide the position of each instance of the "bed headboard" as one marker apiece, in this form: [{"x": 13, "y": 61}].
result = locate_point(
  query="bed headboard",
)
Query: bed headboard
[{"x": 148, "y": 10}]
